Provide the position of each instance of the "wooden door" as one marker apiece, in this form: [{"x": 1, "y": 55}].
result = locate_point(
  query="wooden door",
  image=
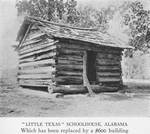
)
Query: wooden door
[{"x": 91, "y": 67}]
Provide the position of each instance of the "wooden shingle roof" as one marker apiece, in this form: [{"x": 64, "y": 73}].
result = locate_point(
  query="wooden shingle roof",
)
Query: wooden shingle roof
[{"x": 68, "y": 32}]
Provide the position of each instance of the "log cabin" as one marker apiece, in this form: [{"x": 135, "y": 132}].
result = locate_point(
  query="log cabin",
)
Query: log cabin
[{"x": 67, "y": 59}]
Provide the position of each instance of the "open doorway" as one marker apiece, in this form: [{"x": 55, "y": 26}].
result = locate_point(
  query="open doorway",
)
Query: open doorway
[{"x": 91, "y": 67}]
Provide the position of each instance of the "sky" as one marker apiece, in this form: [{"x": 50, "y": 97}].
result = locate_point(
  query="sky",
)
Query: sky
[{"x": 9, "y": 26}]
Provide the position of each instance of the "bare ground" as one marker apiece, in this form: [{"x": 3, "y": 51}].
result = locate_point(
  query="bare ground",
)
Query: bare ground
[{"x": 23, "y": 102}]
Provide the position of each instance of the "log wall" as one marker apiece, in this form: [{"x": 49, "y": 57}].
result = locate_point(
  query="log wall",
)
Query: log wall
[
  {"x": 109, "y": 72},
  {"x": 36, "y": 60},
  {"x": 70, "y": 67},
  {"x": 59, "y": 62}
]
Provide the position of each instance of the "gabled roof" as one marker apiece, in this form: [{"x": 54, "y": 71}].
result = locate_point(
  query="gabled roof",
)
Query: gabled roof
[{"x": 68, "y": 32}]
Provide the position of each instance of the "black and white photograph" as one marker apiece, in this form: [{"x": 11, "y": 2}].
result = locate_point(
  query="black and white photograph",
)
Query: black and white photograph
[{"x": 75, "y": 58}]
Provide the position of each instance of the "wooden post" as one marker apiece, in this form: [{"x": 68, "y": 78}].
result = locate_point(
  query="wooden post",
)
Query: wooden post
[
  {"x": 85, "y": 79},
  {"x": 84, "y": 67}
]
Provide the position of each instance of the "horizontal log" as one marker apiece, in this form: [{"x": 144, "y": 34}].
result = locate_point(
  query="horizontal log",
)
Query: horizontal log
[
  {"x": 108, "y": 74},
  {"x": 77, "y": 42},
  {"x": 41, "y": 56},
  {"x": 69, "y": 62},
  {"x": 69, "y": 57},
  {"x": 107, "y": 62},
  {"x": 67, "y": 73},
  {"x": 35, "y": 82},
  {"x": 108, "y": 56},
  {"x": 69, "y": 67},
  {"x": 68, "y": 79},
  {"x": 111, "y": 84},
  {"x": 43, "y": 36},
  {"x": 108, "y": 68},
  {"x": 32, "y": 85},
  {"x": 36, "y": 44},
  {"x": 46, "y": 55},
  {"x": 90, "y": 47},
  {"x": 30, "y": 59},
  {"x": 38, "y": 63},
  {"x": 64, "y": 51},
  {"x": 35, "y": 35},
  {"x": 72, "y": 86},
  {"x": 35, "y": 76},
  {"x": 36, "y": 48},
  {"x": 74, "y": 89},
  {"x": 40, "y": 70},
  {"x": 31, "y": 42},
  {"x": 109, "y": 79},
  {"x": 50, "y": 48}
]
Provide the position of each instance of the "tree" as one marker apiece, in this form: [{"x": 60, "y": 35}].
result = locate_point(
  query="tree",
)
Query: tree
[
  {"x": 72, "y": 12},
  {"x": 52, "y": 10},
  {"x": 97, "y": 18},
  {"x": 67, "y": 12},
  {"x": 137, "y": 20}
]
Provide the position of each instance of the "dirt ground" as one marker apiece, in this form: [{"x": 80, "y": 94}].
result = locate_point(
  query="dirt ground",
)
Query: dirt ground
[{"x": 23, "y": 102}]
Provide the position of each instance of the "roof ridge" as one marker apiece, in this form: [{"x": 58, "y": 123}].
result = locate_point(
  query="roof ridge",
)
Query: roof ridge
[{"x": 61, "y": 24}]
